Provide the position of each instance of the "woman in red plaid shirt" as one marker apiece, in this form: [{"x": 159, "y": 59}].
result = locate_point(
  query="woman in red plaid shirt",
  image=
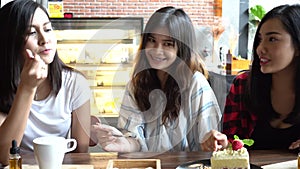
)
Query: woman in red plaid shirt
[{"x": 264, "y": 103}]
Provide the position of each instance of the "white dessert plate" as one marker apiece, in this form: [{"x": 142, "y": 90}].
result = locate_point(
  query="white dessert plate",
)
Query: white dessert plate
[
  {"x": 199, "y": 164},
  {"x": 286, "y": 165}
]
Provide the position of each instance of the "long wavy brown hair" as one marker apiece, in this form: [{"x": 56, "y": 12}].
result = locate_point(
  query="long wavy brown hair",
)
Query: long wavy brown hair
[{"x": 145, "y": 79}]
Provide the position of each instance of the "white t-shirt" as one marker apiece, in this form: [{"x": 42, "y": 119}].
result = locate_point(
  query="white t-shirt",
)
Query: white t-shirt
[
  {"x": 52, "y": 116},
  {"x": 199, "y": 113}
]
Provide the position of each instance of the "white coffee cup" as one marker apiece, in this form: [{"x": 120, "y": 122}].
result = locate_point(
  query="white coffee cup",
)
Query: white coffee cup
[{"x": 49, "y": 151}]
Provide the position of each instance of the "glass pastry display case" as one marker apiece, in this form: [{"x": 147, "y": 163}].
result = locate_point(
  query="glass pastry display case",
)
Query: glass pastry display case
[{"x": 103, "y": 50}]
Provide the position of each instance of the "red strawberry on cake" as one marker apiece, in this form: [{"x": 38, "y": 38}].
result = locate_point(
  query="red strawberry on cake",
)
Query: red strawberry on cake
[{"x": 237, "y": 144}]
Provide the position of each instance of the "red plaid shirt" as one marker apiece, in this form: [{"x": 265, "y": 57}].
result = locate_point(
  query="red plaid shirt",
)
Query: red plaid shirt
[{"x": 237, "y": 120}]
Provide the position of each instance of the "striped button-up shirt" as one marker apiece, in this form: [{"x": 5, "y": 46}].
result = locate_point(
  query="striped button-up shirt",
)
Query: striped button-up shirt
[{"x": 199, "y": 113}]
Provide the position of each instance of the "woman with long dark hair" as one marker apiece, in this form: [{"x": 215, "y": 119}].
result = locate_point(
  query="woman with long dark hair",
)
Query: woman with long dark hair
[
  {"x": 263, "y": 104},
  {"x": 168, "y": 104},
  {"x": 39, "y": 94}
]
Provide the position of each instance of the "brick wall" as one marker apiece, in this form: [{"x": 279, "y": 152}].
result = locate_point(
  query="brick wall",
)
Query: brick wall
[{"x": 202, "y": 12}]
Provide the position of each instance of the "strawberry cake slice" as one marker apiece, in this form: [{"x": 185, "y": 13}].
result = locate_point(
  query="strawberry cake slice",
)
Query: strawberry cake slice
[{"x": 235, "y": 156}]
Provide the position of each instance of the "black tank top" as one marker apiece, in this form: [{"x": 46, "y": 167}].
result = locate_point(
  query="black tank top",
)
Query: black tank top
[{"x": 267, "y": 137}]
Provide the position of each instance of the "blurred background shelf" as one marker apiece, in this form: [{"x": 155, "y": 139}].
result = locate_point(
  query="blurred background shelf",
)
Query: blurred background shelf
[{"x": 103, "y": 50}]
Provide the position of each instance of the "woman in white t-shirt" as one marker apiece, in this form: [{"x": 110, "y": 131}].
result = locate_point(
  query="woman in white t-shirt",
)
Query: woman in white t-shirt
[{"x": 39, "y": 94}]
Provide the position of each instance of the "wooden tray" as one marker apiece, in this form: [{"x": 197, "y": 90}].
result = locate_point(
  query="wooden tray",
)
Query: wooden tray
[
  {"x": 134, "y": 163},
  {"x": 64, "y": 166}
]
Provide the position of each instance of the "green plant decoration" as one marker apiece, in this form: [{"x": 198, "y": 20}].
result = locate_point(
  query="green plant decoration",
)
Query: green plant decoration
[{"x": 256, "y": 13}]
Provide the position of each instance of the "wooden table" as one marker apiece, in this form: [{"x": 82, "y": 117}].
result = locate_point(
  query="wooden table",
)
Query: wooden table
[{"x": 168, "y": 160}]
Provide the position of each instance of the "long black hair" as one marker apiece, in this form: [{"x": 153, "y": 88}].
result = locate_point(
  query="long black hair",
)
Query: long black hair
[
  {"x": 15, "y": 18},
  {"x": 258, "y": 96}
]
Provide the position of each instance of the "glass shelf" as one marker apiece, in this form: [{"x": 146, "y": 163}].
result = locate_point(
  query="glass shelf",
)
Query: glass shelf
[{"x": 103, "y": 49}]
